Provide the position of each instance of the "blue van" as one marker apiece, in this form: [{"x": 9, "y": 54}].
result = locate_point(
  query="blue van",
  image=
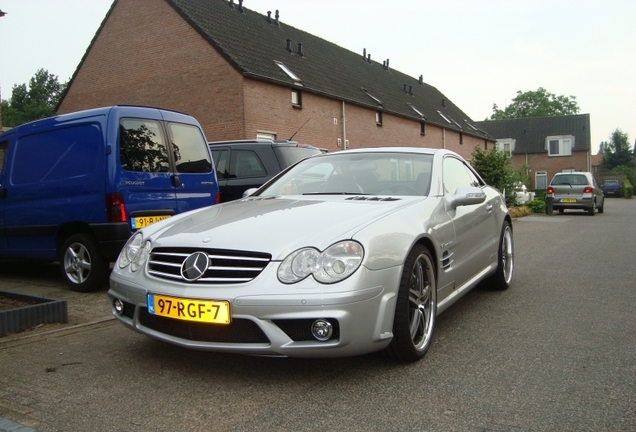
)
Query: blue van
[{"x": 74, "y": 187}]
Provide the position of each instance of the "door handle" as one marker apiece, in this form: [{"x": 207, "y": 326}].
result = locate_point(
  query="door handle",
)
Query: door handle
[
  {"x": 489, "y": 208},
  {"x": 175, "y": 181}
]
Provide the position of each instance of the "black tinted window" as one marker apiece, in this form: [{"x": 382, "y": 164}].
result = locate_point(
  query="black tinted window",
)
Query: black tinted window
[
  {"x": 191, "y": 154},
  {"x": 142, "y": 147},
  {"x": 245, "y": 163},
  {"x": 290, "y": 155}
]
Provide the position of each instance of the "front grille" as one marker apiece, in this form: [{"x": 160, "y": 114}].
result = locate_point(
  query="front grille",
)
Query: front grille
[
  {"x": 300, "y": 329},
  {"x": 226, "y": 266},
  {"x": 238, "y": 331}
]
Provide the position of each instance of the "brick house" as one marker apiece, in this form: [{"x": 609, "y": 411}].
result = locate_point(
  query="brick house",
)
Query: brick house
[
  {"x": 544, "y": 145},
  {"x": 245, "y": 75}
]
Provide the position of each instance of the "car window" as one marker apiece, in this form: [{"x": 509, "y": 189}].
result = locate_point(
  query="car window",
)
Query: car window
[
  {"x": 287, "y": 155},
  {"x": 220, "y": 158},
  {"x": 570, "y": 179},
  {"x": 142, "y": 147},
  {"x": 246, "y": 163},
  {"x": 190, "y": 151},
  {"x": 456, "y": 175}
]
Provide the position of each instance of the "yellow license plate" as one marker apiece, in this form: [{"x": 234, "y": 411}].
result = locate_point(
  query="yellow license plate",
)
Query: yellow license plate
[
  {"x": 209, "y": 311},
  {"x": 568, "y": 200},
  {"x": 144, "y": 221}
]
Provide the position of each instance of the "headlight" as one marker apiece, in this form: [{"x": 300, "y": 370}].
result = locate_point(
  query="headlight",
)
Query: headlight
[
  {"x": 336, "y": 263},
  {"x": 135, "y": 253}
]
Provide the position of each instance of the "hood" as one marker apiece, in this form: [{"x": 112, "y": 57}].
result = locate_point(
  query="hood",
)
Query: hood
[{"x": 276, "y": 226}]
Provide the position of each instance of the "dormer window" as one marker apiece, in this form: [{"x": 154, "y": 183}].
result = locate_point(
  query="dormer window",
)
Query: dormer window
[{"x": 289, "y": 72}]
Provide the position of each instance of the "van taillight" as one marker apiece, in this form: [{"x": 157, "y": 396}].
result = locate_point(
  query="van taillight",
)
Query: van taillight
[
  {"x": 588, "y": 189},
  {"x": 550, "y": 190},
  {"x": 115, "y": 209},
  {"x": 218, "y": 197}
]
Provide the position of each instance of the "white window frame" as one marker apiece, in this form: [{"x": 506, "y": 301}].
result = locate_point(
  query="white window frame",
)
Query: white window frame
[
  {"x": 538, "y": 174},
  {"x": 506, "y": 142},
  {"x": 565, "y": 145}
]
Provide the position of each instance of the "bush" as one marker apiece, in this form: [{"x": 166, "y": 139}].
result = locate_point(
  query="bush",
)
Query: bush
[
  {"x": 628, "y": 189},
  {"x": 539, "y": 193},
  {"x": 537, "y": 205},
  {"x": 519, "y": 211}
]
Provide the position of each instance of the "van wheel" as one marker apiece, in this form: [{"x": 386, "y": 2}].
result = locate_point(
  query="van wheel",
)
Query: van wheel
[{"x": 83, "y": 267}]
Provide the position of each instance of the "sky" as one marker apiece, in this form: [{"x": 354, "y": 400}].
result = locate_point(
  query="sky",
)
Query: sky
[{"x": 477, "y": 52}]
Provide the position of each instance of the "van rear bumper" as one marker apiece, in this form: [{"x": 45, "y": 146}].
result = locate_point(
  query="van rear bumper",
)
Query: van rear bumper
[{"x": 111, "y": 238}]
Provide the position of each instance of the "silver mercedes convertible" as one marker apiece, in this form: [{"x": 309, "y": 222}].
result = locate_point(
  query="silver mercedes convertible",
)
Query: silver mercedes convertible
[{"x": 342, "y": 254}]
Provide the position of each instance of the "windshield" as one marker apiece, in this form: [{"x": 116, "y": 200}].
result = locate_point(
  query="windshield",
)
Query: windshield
[{"x": 371, "y": 173}]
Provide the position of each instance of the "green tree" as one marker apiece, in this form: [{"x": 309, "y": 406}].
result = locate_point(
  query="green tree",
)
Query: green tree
[
  {"x": 539, "y": 103},
  {"x": 495, "y": 168},
  {"x": 617, "y": 152},
  {"x": 36, "y": 101}
]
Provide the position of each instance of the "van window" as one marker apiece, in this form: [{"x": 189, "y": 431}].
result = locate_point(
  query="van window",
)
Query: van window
[
  {"x": 142, "y": 147},
  {"x": 3, "y": 152},
  {"x": 56, "y": 154},
  {"x": 191, "y": 154}
]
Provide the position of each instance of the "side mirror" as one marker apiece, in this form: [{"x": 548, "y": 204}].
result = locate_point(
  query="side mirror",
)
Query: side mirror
[
  {"x": 465, "y": 196},
  {"x": 249, "y": 192}
]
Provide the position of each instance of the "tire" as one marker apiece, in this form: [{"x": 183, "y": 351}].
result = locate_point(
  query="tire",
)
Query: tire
[
  {"x": 505, "y": 266},
  {"x": 592, "y": 210},
  {"x": 416, "y": 307},
  {"x": 561, "y": 211},
  {"x": 602, "y": 207},
  {"x": 83, "y": 267}
]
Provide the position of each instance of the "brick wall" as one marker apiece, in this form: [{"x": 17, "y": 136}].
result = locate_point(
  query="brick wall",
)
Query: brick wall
[{"x": 146, "y": 54}]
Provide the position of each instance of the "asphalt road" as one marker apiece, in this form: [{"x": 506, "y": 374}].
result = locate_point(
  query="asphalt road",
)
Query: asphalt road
[{"x": 555, "y": 352}]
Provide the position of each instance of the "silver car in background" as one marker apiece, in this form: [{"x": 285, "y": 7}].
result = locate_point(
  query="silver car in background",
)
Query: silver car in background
[
  {"x": 342, "y": 254},
  {"x": 576, "y": 191}
]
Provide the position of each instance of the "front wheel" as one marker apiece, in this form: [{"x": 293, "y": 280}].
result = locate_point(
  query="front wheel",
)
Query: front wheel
[
  {"x": 83, "y": 267},
  {"x": 505, "y": 256},
  {"x": 416, "y": 307}
]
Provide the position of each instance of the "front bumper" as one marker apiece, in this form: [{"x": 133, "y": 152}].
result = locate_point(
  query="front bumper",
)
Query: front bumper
[{"x": 267, "y": 317}]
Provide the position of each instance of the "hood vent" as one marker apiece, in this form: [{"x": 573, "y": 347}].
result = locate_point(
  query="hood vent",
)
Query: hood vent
[{"x": 371, "y": 198}]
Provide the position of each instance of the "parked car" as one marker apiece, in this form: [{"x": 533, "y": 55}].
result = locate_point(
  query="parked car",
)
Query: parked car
[
  {"x": 74, "y": 187},
  {"x": 612, "y": 187},
  {"x": 342, "y": 254},
  {"x": 241, "y": 165},
  {"x": 575, "y": 190}
]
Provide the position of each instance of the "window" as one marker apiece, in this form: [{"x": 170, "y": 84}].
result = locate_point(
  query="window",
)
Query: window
[
  {"x": 265, "y": 135},
  {"x": 3, "y": 152},
  {"x": 220, "y": 157},
  {"x": 444, "y": 117},
  {"x": 541, "y": 179},
  {"x": 378, "y": 101},
  {"x": 245, "y": 163},
  {"x": 142, "y": 147},
  {"x": 190, "y": 151},
  {"x": 378, "y": 118},
  {"x": 422, "y": 128},
  {"x": 461, "y": 138},
  {"x": 417, "y": 111},
  {"x": 457, "y": 175},
  {"x": 296, "y": 99},
  {"x": 559, "y": 145},
  {"x": 288, "y": 72},
  {"x": 506, "y": 145}
]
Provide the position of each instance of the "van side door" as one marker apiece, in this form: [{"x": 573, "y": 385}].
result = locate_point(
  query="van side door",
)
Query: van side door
[
  {"x": 3, "y": 193},
  {"x": 194, "y": 177}
]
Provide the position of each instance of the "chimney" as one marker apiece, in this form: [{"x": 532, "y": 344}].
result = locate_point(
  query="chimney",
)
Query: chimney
[
  {"x": 269, "y": 17},
  {"x": 289, "y": 45},
  {"x": 444, "y": 103},
  {"x": 421, "y": 79},
  {"x": 411, "y": 90},
  {"x": 405, "y": 89},
  {"x": 240, "y": 8},
  {"x": 369, "y": 58},
  {"x": 277, "y": 16},
  {"x": 300, "y": 49},
  {"x": 232, "y": 4},
  {"x": 364, "y": 54},
  {"x": 387, "y": 64}
]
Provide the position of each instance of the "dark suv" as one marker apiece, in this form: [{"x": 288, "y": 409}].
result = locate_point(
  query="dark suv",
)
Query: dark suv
[{"x": 242, "y": 165}]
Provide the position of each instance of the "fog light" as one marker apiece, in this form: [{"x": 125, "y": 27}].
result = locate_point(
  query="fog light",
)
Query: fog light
[
  {"x": 119, "y": 306},
  {"x": 322, "y": 330}
]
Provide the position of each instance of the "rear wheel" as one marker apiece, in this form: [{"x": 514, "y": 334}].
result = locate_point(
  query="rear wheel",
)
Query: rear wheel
[
  {"x": 503, "y": 276},
  {"x": 592, "y": 210},
  {"x": 600, "y": 208},
  {"x": 83, "y": 267},
  {"x": 416, "y": 307}
]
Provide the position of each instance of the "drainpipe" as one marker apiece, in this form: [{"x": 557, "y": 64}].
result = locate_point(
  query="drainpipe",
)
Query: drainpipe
[{"x": 344, "y": 127}]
